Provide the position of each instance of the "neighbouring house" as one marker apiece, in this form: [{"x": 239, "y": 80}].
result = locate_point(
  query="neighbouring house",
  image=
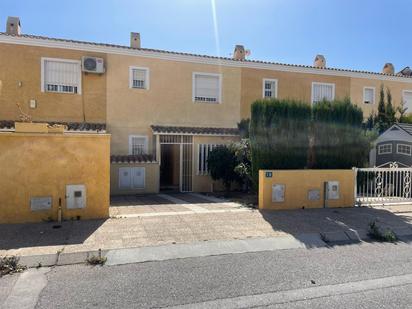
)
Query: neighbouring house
[
  {"x": 164, "y": 110},
  {"x": 393, "y": 145}
]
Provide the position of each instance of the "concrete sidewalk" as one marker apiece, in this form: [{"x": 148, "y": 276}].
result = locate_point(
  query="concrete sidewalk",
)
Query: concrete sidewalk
[{"x": 192, "y": 223}]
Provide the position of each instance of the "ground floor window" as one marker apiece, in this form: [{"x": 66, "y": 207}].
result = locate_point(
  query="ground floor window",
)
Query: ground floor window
[
  {"x": 385, "y": 149},
  {"x": 203, "y": 154},
  {"x": 137, "y": 144},
  {"x": 403, "y": 149},
  {"x": 132, "y": 177}
]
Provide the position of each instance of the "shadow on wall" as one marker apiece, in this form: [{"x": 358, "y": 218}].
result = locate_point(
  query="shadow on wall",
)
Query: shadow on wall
[
  {"x": 15, "y": 236},
  {"x": 339, "y": 226}
]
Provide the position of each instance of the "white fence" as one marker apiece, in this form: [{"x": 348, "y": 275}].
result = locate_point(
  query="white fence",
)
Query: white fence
[{"x": 383, "y": 185}]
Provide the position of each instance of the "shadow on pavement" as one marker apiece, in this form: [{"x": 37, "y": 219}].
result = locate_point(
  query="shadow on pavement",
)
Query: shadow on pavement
[
  {"x": 15, "y": 236},
  {"x": 339, "y": 226}
]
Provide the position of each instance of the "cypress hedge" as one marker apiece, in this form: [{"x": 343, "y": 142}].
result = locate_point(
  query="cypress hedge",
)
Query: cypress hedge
[
  {"x": 279, "y": 134},
  {"x": 290, "y": 134}
]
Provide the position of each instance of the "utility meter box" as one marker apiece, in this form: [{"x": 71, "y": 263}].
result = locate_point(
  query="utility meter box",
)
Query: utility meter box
[
  {"x": 278, "y": 193},
  {"x": 75, "y": 196},
  {"x": 332, "y": 190}
]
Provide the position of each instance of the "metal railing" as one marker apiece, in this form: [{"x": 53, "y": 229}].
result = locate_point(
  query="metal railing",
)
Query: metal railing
[{"x": 383, "y": 185}]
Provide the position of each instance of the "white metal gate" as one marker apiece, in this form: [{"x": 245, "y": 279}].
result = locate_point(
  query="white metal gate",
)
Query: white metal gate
[
  {"x": 383, "y": 185},
  {"x": 186, "y": 158}
]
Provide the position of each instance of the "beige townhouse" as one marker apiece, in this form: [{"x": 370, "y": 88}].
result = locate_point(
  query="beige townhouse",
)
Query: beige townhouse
[{"x": 165, "y": 110}]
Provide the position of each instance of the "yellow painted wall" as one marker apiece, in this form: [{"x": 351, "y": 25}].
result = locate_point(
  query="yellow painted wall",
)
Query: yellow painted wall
[
  {"x": 38, "y": 165},
  {"x": 151, "y": 180},
  {"x": 168, "y": 101},
  {"x": 356, "y": 90},
  {"x": 290, "y": 85},
  {"x": 21, "y": 63},
  {"x": 299, "y": 182}
]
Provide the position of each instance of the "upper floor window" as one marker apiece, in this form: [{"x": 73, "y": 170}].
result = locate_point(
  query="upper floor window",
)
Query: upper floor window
[
  {"x": 60, "y": 75},
  {"x": 403, "y": 149},
  {"x": 139, "y": 78},
  {"x": 385, "y": 149},
  {"x": 369, "y": 95},
  {"x": 323, "y": 91},
  {"x": 137, "y": 144},
  {"x": 207, "y": 87},
  {"x": 407, "y": 100},
  {"x": 270, "y": 88}
]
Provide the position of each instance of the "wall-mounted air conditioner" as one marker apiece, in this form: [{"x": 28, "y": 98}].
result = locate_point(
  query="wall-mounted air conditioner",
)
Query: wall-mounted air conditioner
[{"x": 92, "y": 65}]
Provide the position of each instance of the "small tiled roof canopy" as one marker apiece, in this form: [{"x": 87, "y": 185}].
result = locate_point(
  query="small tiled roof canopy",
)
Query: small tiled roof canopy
[
  {"x": 71, "y": 126},
  {"x": 194, "y": 130},
  {"x": 143, "y": 158}
]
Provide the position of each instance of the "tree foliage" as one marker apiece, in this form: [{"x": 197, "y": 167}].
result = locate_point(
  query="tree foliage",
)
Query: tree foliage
[
  {"x": 287, "y": 134},
  {"x": 221, "y": 163}
]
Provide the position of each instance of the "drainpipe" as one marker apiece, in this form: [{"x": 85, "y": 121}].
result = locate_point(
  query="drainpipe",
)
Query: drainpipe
[{"x": 59, "y": 211}]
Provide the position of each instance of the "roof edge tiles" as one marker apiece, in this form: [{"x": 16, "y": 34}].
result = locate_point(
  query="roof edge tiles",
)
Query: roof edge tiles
[
  {"x": 71, "y": 126},
  {"x": 178, "y": 130},
  {"x": 131, "y": 159},
  {"x": 246, "y": 61}
]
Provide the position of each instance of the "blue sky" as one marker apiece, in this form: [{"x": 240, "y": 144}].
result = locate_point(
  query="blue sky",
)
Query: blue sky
[{"x": 353, "y": 34}]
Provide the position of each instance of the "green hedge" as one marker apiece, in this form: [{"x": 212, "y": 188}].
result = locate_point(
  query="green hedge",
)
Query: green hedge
[
  {"x": 278, "y": 134},
  {"x": 289, "y": 134}
]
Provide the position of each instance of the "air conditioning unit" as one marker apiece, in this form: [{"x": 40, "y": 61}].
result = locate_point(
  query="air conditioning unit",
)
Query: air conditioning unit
[{"x": 92, "y": 65}]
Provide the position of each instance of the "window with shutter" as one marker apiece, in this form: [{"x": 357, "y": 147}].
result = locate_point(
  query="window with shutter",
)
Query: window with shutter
[
  {"x": 139, "y": 78},
  {"x": 206, "y": 87},
  {"x": 137, "y": 144},
  {"x": 369, "y": 95},
  {"x": 323, "y": 91},
  {"x": 407, "y": 101},
  {"x": 270, "y": 88},
  {"x": 60, "y": 75}
]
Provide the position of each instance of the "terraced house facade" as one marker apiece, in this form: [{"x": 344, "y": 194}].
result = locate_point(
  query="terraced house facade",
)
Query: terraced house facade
[{"x": 165, "y": 110}]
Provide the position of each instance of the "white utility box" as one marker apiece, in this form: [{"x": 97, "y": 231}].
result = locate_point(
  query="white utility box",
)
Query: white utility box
[{"x": 75, "y": 196}]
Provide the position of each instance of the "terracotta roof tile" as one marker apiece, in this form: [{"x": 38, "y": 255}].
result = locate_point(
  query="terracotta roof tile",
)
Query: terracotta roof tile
[
  {"x": 199, "y": 55},
  {"x": 71, "y": 126},
  {"x": 194, "y": 130},
  {"x": 143, "y": 158}
]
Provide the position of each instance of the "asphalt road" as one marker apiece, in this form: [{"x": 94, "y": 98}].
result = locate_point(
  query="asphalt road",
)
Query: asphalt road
[{"x": 352, "y": 276}]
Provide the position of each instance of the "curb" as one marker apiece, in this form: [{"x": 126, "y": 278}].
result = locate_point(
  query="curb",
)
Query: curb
[{"x": 208, "y": 248}]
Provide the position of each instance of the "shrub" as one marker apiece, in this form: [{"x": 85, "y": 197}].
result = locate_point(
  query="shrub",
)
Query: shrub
[
  {"x": 221, "y": 163},
  {"x": 279, "y": 136},
  {"x": 377, "y": 234},
  {"x": 97, "y": 260},
  {"x": 339, "y": 139},
  {"x": 9, "y": 265}
]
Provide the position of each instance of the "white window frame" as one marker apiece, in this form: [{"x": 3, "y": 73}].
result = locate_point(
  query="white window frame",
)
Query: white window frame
[
  {"x": 219, "y": 99},
  {"x": 44, "y": 59},
  {"x": 380, "y": 152},
  {"x": 374, "y": 95},
  {"x": 271, "y": 80},
  {"x": 146, "y": 139},
  {"x": 322, "y": 84},
  {"x": 403, "y": 97},
  {"x": 402, "y": 153},
  {"x": 147, "y": 77}
]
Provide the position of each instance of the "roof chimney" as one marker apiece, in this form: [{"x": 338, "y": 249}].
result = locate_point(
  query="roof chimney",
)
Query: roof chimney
[
  {"x": 134, "y": 39},
  {"x": 388, "y": 68},
  {"x": 320, "y": 62},
  {"x": 239, "y": 53},
  {"x": 13, "y": 25}
]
